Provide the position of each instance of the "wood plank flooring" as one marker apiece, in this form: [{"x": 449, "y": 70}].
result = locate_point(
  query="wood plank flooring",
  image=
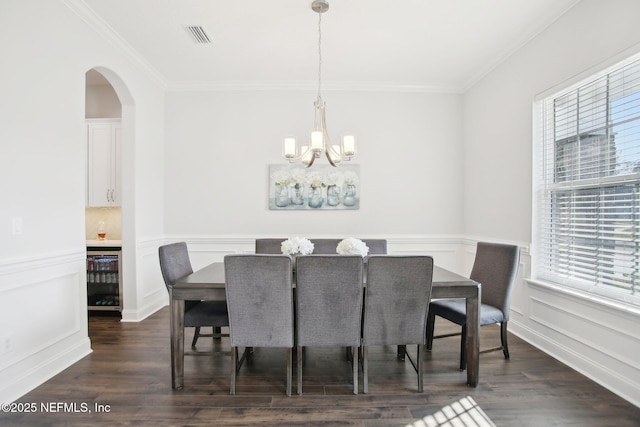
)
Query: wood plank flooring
[{"x": 128, "y": 377}]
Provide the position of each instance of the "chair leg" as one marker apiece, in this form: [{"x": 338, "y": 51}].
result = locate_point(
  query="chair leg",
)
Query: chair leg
[
  {"x": 402, "y": 352},
  {"x": 365, "y": 369},
  {"x": 431, "y": 320},
  {"x": 234, "y": 369},
  {"x": 503, "y": 338},
  {"x": 299, "y": 362},
  {"x": 463, "y": 348},
  {"x": 196, "y": 335},
  {"x": 355, "y": 369},
  {"x": 289, "y": 369},
  {"x": 420, "y": 383}
]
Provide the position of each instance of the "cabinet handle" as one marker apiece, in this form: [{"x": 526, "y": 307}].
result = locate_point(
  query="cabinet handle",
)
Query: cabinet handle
[
  {"x": 108, "y": 196},
  {"x": 113, "y": 197}
]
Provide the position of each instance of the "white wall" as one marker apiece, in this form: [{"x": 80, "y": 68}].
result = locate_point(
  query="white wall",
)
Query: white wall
[
  {"x": 42, "y": 171},
  {"x": 102, "y": 102},
  {"x": 497, "y": 202},
  {"x": 209, "y": 184},
  {"x": 219, "y": 146}
]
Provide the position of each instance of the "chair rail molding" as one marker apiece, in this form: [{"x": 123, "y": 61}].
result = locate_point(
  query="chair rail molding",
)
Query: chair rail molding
[{"x": 51, "y": 336}]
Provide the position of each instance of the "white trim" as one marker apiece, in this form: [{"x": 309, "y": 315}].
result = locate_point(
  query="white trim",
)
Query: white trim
[
  {"x": 620, "y": 59},
  {"x": 21, "y": 264},
  {"x": 32, "y": 363},
  {"x": 95, "y": 22},
  {"x": 147, "y": 310},
  {"x": 552, "y": 16},
  {"x": 330, "y": 86},
  {"x": 33, "y": 375},
  {"x": 620, "y": 385},
  {"x": 587, "y": 296}
]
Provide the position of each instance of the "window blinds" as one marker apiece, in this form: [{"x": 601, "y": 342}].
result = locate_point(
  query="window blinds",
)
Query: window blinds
[{"x": 588, "y": 193}]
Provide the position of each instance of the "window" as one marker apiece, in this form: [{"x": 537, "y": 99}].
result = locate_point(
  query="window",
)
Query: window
[{"x": 587, "y": 194}]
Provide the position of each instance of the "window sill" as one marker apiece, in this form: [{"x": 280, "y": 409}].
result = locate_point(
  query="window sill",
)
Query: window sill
[{"x": 587, "y": 296}]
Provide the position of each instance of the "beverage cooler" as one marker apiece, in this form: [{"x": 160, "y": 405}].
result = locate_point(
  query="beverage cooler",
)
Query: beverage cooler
[{"x": 104, "y": 279}]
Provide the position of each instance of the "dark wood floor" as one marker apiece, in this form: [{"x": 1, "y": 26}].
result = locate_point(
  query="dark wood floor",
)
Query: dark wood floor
[{"x": 128, "y": 374}]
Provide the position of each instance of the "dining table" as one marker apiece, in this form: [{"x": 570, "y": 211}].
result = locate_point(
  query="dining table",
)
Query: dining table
[{"x": 208, "y": 283}]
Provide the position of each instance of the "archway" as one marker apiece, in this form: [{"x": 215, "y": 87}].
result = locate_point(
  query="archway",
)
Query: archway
[{"x": 127, "y": 200}]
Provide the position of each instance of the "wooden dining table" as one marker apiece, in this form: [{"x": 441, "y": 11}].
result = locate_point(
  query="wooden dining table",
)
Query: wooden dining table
[{"x": 208, "y": 283}]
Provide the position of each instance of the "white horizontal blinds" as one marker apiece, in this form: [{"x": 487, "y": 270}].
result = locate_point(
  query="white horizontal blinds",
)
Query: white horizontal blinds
[{"x": 589, "y": 199}]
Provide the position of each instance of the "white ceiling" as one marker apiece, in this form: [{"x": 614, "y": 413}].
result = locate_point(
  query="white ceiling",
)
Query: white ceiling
[{"x": 424, "y": 45}]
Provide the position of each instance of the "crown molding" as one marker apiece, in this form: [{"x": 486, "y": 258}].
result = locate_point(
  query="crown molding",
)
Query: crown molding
[
  {"x": 86, "y": 14},
  {"x": 335, "y": 86},
  {"x": 552, "y": 16}
]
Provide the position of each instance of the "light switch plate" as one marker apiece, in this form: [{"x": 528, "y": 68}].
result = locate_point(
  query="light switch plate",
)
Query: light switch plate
[{"x": 17, "y": 226}]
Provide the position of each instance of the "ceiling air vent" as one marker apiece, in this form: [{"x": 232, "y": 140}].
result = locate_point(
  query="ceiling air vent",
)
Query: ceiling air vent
[{"x": 198, "y": 34}]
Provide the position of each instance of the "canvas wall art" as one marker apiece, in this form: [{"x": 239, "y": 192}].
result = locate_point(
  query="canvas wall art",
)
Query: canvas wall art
[{"x": 293, "y": 187}]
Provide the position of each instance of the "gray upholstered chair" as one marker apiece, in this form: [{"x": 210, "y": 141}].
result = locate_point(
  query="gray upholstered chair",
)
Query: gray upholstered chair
[
  {"x": 260, "y": 303},
  {"x": 174, "y": 264},
  {"x": 376, "y": 246},
  {"x": 269, "y": 246},
  {"x": 325, "y": 246},
  {"x": 328, "y": 246},
  {"x": 329, "y": 293},
  {"x": 320, "y": 246},
  {"x": 495, "y": 267},
  {"x": 397, "y": 297}
]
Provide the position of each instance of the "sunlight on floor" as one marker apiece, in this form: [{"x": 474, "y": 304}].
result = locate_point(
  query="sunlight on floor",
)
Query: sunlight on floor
[{"x": 464, "y": 413}]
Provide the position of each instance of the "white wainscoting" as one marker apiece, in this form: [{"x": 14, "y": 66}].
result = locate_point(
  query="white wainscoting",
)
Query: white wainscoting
[
  {"x": 593, "y": 337},
  {"x": 206, "y": 249},
  {"x": 45, "y": 297},
  {"x": 43, "y": 313},
  {"x": 146, "y": 293},
  {"x": 596, "y": 338}
]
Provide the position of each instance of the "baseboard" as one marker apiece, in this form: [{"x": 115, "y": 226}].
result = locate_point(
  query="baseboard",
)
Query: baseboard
[
  {"x": 38, "y": 370},
  {"x": 144, "y": 312},
  {"x": 588, "y": 367}
]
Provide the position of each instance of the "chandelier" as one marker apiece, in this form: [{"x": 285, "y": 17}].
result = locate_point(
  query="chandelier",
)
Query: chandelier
[{"x": 319, "y": 140}]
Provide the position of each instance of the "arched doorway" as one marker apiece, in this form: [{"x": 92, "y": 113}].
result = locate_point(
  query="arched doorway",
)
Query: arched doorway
[{"x": 108, "y": 100}]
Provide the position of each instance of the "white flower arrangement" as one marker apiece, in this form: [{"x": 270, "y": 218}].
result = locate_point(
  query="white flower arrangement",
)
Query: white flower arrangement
[
  {"x": 298, "y": 176},
  {"x": 282, "y": 177},
  {"x": 350, "y": 178},
  {"x": 315, "y": 180},
  {"x": 334, "y": 178},
  {"x": 297, "y": 246},
  {"x": 352, "y": 246}
]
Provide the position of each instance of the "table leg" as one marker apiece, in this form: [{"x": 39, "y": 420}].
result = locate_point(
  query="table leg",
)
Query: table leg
[
  {"x": 473, "y": 339},
  {"x": 177, "y": 343}
]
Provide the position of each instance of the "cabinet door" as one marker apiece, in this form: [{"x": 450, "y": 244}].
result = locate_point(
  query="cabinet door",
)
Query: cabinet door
[
  {"x": 116, "y": 195},
  {"x": 103, "y": 166}
]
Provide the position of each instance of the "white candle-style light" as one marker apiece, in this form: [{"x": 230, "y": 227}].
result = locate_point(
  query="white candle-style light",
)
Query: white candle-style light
[
  {"x": 289, "y": 147},
  {"x": 317, "y": 140},
  {"x": 349, "y": 145}
]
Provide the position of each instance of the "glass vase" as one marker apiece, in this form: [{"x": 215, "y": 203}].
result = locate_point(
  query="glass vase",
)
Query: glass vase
[
  {"x": 315, "y": 198},
  {"x": 282, "y": 195},
  {"x": 349, "y": 198},
  {"x": 333, "y": 195},
  {"x": 298, "y": 195}
]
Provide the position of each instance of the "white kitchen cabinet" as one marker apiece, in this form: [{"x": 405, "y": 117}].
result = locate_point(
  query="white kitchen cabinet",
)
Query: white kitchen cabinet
[{"x": 103, "y": 163}]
